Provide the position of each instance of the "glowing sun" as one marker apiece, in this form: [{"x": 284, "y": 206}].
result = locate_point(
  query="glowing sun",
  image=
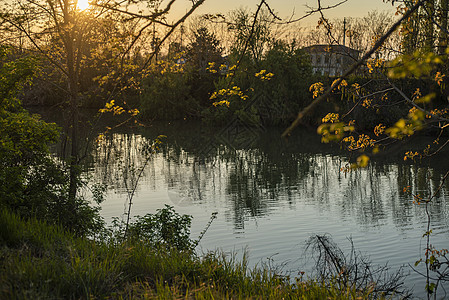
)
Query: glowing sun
[{"x": 83, "y": 4}]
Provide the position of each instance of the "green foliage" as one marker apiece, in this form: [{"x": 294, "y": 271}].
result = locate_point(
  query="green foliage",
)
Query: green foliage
[
  {"x": 418, "y": 64},
  {"x": 45, "y": 262},
  {"x": 166, "y": 229},
  {"x": 180, "y": 87},
  {"x": 278, "y": 84},
  {"x": 32, "y": 182},
  {"x": 166, "y": 93},
  {"x": 15, "y": 73},
  {"x": 292, "y": 77},
  {"x": 204, "y": 56},
  {"x": 204, "y": 49},
  {"x": 407, "y": 127},
  {"x": 24, "y": 139}
]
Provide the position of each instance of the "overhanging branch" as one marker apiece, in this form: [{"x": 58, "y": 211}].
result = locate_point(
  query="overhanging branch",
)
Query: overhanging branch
[{"x": 354, "y": 67}]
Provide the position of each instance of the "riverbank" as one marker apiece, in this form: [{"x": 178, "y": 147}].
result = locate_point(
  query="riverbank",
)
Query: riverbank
[{"x": 44, "y": 262}]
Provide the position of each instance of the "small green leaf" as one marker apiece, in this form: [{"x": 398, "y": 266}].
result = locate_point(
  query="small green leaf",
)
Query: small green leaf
[{"x": 430, "y": 288}]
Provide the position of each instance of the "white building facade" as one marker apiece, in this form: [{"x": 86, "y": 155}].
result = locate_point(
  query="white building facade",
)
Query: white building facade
[{"x": 331, "y": 60}]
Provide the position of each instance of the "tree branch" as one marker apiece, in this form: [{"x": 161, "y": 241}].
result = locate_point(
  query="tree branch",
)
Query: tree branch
[{"x": 367, "y": 55}]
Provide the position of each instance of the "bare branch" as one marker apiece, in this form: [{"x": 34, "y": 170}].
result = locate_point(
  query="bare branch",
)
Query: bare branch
[
  {"x": 173, "y": 27},
  {"x": 409, "y": 101},
  {"x": 271, "y": 11},
  {"x": 151, "y": 17},
  {"x": 313, "y": 11}
]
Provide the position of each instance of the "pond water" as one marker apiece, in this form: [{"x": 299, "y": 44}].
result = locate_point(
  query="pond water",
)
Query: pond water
[{"x": 272, "y": 195}]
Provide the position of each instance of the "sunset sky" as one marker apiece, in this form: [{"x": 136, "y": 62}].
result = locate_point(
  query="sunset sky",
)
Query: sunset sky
[{"x": 285, "y": 8}]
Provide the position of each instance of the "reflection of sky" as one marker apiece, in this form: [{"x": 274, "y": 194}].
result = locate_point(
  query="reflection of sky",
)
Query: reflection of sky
[
  {"x": 285, "y": 8},
  {"x": 271, "y": 203},
  {"x": 272, "y": 196}
]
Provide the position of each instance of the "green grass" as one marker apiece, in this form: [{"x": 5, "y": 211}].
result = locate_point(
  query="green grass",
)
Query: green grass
[{"x": 39, "y": 261}]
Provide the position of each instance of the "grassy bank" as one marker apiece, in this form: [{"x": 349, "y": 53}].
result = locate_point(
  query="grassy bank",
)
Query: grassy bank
[{"x": 39, "y": 261}]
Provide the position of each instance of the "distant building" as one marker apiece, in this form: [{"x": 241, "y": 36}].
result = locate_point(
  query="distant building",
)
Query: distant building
[{"x": 331, "y": 60}]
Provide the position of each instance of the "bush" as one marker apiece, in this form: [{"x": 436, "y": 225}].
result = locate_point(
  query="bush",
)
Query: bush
[
  {"x": 166, "y": 93},
  {"x": 270, "y": 91},
  {"x": 32, "y": 182},
  {"x": 166, "y": 229}
]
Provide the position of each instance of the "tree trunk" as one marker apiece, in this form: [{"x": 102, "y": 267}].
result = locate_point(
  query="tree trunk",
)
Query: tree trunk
[
  {"x": 429, "y": 34},
  {"x": 74, "y": 155},
  {"x": 412, "y": 29},
  {"x": 69, "y": 39},
  {"x": 443, "y": 36}
]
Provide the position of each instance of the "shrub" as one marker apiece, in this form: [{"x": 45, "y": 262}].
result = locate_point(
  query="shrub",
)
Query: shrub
[{"x": 32, "y": 182}]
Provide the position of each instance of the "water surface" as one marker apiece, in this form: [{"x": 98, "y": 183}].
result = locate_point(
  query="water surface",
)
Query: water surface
[{"x": 271, "y": 196}]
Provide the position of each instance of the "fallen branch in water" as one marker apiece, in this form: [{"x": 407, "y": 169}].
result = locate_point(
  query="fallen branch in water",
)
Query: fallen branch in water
[{"x": 354, "y": 270}]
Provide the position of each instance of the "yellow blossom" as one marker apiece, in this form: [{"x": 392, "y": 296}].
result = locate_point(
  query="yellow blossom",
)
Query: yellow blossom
[
  {"x": 439, "y": 78},
  {"x": 316, "y": 89}
]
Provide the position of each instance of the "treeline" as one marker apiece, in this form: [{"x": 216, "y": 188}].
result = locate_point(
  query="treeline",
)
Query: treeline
[
  {"x": 178, "y": 80},
  {"x": 212, "y": 69}
]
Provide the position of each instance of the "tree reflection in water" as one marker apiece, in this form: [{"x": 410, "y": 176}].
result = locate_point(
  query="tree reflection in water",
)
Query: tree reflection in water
[
  {"x": 253, "y": 181},
  {"x": 276, "y": 193}
]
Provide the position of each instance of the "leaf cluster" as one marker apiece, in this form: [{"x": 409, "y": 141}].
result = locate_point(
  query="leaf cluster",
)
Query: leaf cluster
[{"x": 32, "y": 182}]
